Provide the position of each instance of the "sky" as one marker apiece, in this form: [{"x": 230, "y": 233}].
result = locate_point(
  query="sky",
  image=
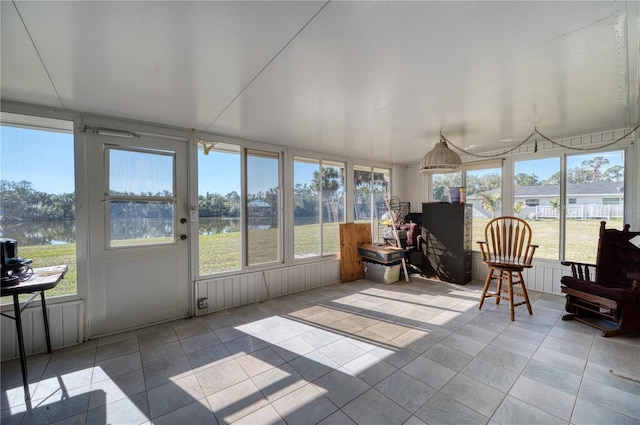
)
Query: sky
[{"x": 45, "y": 158}]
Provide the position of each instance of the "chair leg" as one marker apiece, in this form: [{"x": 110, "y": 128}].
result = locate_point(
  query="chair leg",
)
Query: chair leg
[
  {"x": 510, "y": 289},
  {"x": 524, "y": 293},
  {"x": 499, "y": 287},
  {"x": 487, "y": 281}
]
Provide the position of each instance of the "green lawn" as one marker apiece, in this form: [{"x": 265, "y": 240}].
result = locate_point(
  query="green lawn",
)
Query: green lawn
[{"x": 221, "y": 252}]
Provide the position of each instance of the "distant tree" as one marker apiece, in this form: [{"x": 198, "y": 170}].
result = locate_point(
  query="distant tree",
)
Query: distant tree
[
  {"x": 518, "y": 207},
  {"x": 614, "y": 174},
  {"x": 553, "y": 179},
  {"x": 522, "y": 179},
  {"x": 595, "y": 166},
  {"x": 491, "y": 203}
]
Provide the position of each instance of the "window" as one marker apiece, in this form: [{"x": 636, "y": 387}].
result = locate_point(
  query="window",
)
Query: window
[
  {"x": 237, "y": 211},
  {"x": 140, "y": 197},
  {"x": 371, "y": 187},
  {"x": 572, "y": 201},
  {"x": 37, "y": 193},
  {"x": 591, "y": 176},
  {"x": 442, "y": 184},
  {"x": 263, "y": 207},
  {"x": 537, "y": 181},
  {"x": 484, "y": 192},
  {"x": 219, "y": 206},
  {"x": 318, "y": 206}
]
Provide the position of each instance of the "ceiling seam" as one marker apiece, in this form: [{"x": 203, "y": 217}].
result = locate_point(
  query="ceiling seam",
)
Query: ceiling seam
[
  {"x": 267, "y": 64},
  {"x": 38, "y": 53}
]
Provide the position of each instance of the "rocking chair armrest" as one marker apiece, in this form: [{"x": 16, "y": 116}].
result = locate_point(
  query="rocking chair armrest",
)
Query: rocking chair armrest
[
  {"x": 483, "y": 253},
  {"x": 580, "y": 270}
]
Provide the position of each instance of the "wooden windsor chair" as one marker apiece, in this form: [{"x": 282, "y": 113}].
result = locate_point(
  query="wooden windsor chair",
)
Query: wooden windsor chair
[{"x": 507, "y": 251}]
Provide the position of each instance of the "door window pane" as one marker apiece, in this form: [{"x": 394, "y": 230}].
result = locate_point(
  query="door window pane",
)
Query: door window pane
[
  {"x": 219, "y": 206},
  {"x": 141, "y": 198},
  {"x": 37, "y": 194},
  {"x": 536, "y": 198},
  {"x": 595, "y": 181},
  {"x": 371, "y": 187},
  {"x": 263, "y": 181}
]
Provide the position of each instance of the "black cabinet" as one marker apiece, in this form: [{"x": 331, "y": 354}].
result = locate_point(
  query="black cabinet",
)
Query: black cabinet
[{"x": 446, "y": 231}]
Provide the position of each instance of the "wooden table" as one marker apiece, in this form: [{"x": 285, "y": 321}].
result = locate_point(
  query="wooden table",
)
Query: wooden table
[{"x": 34, "y": 286}]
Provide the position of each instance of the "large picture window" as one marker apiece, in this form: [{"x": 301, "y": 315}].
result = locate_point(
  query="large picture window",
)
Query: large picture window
[
  {"x": 596, "y": 183},
  {"x": 483, "y": 188},
  {"x": 371, "y": 187},
  {"x": 37, "y": 193},
  {"x": 220, "y": 209},
  {"x": 318, "y": 198}
]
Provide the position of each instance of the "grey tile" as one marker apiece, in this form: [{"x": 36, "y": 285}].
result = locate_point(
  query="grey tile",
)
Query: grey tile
[
  {"x": 342, "y": 351},
  {"x": 203, "y": 359},
  {"x": 279, "y": 381},
  {"x": 406, "y": 390},
  {"x": 161, "y": 353},
  {"x": 554, "y": 377},
  {"x": 589, "y": 413},
  {"x": 340, "y": 386},
  {"x": 117, "y": 388},
  {"x": 370, "y": 368},
  {"x": 291, "y": 348},
  {"x": 396, "y": 358},
  {"x": 337, "y": 418},
  {"x": 373, "y": 407},
  {"x": 132, "y": 410},
  {"x": 619, "y": 356},
  {"x": 474, "y": 394},
  {"x": 560, "y": 360},
  {"x": 503, "y": 358},
  {"x": 544, "y": 397},
  {"x": 515, "y": 345},
  {"x": 266, "y": 415},
  {"x": 116, "y": 349},
  {"x": 259, "y": 361},
  {"x": 612, "y": 398},
  {"x": 148, "y": 339},
  {"x": 449, "y": 357},
  {"x": 609, "y": 377},
  {"x": 429, "y": 372},
  {"x": 304, "y": 406},
  {"x": 174, "y": 395},
  {"x": 313, "y": 365},
  {"x": 496, "y": 377},
  {"x": 219, "y": 377},
  {"x": 443, "y": 410},
  {"x": 463, "y": 343},
  {"x": 567, "y": 347},
  {"x": 166, "y": 371},
  {"x": 197, "y": 412},
  {"x": 199, "y": 342},
  {"x": 245, "y": 345},
  {"x": 236, "y": 401},
  {"x": 117, "y": 366},
  {"x": 59, "y": 406},
  {"x": 514, "y": 411}
]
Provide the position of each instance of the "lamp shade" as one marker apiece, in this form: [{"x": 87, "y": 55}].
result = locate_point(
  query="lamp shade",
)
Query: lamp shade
[{"x": 440, "y": 160}]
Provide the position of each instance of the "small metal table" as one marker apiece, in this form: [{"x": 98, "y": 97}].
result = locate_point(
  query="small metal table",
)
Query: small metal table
[{"x": 34, "y": 286}]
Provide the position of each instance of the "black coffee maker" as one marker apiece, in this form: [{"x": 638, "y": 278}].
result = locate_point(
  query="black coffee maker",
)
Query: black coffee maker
[{"x": 14, "y": 269}]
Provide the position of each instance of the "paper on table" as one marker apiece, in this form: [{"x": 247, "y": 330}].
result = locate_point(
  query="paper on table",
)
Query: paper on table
[{"x": 635, "y": 240}]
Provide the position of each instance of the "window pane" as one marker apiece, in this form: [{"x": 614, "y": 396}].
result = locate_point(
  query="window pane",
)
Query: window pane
[
  {"x": 362, "y": 184},
  {"x": 381, "y": 192},
  {"x": 263, "y": 234},
  {"x": 140, "y": 223},
  {"x": 140, "y": 173},
  {"x": 442, "y": 183},
  {"x": 306, "y": 212},
  {"x": 484, "y": 192},
  {"x": 134, "y": 175},
  {"x": 333, "y": 205},
  {"x": 219, "y": 205},
  {"x": 37, "y": 197},
  {"x": 595, "y": 183},
  {"x": 536, "y": 199}
]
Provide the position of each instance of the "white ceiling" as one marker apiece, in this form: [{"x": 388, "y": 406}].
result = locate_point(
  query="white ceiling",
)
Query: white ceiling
[{"x": 371, "y": 80}]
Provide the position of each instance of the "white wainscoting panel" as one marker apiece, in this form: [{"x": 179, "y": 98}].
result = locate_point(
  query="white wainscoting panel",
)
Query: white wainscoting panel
[
  {"x": 544, "y": 276},
  {"x": 234, "y": 291},
  {"x": 66, "y": 328}
]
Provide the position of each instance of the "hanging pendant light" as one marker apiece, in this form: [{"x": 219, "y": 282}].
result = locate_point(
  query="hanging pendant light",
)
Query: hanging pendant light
[{"x": 440, "y": 160}]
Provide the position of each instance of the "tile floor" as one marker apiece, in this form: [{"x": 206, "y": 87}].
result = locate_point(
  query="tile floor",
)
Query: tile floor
[{"x": 363, "y": 353}]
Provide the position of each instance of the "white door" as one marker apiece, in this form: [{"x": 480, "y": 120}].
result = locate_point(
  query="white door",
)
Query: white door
[{"x": 138, "y": 219}]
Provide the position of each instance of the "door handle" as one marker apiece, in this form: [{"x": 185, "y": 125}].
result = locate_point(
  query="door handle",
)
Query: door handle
[
  {"x": 183, "y": 220},
  {"x": 183, "y": 237}
]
